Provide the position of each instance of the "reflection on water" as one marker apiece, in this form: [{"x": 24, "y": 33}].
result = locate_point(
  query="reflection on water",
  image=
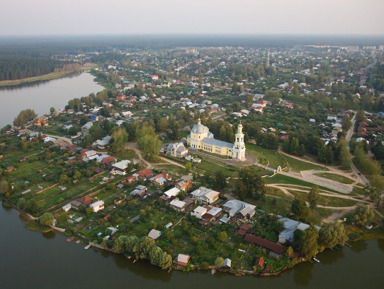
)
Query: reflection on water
[
  {"x": 303, "y": 274},
  {"x": 358, "y": 246},
  {"x": 49, "y": 235},
  {"x": 38, "y": 82},
  {"x": 329, "y": 257},
  {"x": 380, "y": 244}
]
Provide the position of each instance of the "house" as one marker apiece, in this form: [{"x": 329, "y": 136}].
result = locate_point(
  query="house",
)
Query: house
[
  {"x": 161, "y": 179},
  {"x": 205, "y": 195},
  {"x": 182, "y": 260},
  {"x": 154, "y": 234},
  {"x": 199, "y": 212},
  {"x": 87, "y": 154},
  {"x": 274, "y": 247},
  {"x": 171, "y": 193},
  {"x": 97, "y": 206},
  {"x": 238, "y": 208},
  {"x": 178, "y": 205},
  {"x": 143, "y": 174},
  {"x": 244, "y": 229},
  {"x": 107, "y": 161},
  {"x": 290, "y": 226},
  {"x": 120, "y": 168},
  {"x": 86, "y": 127},
  {"x": 183, "y": 185},
  {"x": 129, "y": 180},
  {"x": 177, "y": 150},
  {"x": 227, "y": 263},
  {"x": 11, "y": 169},
  {"x": 139, "y": 191},
  {"x": 66, "y": 207},
  {"x": 85, "y": 200}
]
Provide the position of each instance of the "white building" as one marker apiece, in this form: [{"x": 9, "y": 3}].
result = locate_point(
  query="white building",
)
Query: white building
[{"x": 97, "y": 206}]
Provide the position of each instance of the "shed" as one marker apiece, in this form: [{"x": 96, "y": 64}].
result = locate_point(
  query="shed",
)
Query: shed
[
  {"x": 154, "y": 234},
  {"x": 182, "y": 260}
]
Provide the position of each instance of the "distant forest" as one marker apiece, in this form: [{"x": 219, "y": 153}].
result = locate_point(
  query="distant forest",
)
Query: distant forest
[{"x": 18, "y": 67}]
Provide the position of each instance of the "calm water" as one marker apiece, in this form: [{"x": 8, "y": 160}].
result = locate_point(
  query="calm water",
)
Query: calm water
[
  {"x": 42, "y": 96},
  {"x": 36, "y": 261}
]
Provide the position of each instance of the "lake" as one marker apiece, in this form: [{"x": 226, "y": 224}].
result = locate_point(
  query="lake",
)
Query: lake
[
  {"x": 46, "y": 261},
  {"x": 41, "y": 96}
]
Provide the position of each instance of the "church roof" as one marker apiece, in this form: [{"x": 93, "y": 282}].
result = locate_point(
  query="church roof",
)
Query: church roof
[
  {"x": 199, "y": 128},
  {"x": 216, "y": 142}
]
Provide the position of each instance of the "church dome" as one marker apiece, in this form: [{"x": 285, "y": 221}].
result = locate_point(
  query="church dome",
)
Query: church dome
[{"x": 199, "y": 128}]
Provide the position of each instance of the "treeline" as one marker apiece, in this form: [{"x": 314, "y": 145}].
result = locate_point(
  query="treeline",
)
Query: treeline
[
  {"x": 19, "y": 67},
  {"x": 143, "y": 248}
]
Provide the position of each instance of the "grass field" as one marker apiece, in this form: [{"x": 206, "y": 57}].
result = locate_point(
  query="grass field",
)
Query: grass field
[
  {"x": 335, "y": 177},
  {"x": 297, "y": 165},
  {"x": 266, "y": 157}
]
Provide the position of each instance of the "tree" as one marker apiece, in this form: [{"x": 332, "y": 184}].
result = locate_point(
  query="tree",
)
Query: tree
[
  {"x": 300, "y": 209},
  {"x": 222, "y": 236},
  {"x": 21, "y": 203},
  {"x": 46, "y": 219},
  {"x": 188, "y": 166},
  {"x": 250, "y": 184},
  {"x": 219, "y": 181},
  {"x": 4, "y": 187},
  {"x": 313, "y": 197},
  {"x": 289, "y": 252},
  {"x": 148, "y": 142},
  {"x": 144, "y": 245},
  {"x": 120, "y": 244},
  {"x": 119, "y": 137},
  {"x": 52, "y": 110},
  {"x": 332, "y": 234},
  {"x": 24, "y": 116},
  {"x": 306, "y": 241},
  {"x": 344, "y": 155},
  {"x": 363, "y": 215},
  {"x": 219, "y": 262}
]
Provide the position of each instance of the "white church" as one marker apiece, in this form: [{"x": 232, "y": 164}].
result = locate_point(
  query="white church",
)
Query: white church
[{"x": 201, "y": 138}]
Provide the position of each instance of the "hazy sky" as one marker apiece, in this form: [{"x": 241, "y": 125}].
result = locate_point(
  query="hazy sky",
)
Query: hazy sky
[{"x": 57, "y": 17}]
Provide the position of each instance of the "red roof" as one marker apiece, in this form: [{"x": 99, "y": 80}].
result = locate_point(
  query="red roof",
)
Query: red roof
[
  {"x": 145, "y": 173},
  {"x": 107, "y": 160},
  {"x": 244, "y": 228},
  {"x": 275, "y": 247},
  {"x": 85, "y": 200}
]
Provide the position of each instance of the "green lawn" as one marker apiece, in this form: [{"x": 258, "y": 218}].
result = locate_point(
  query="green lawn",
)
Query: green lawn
[
  {"x": 265, "y": 156},
  {"x": 335, "y": 177},
  {"x": 297, "y": 165}
]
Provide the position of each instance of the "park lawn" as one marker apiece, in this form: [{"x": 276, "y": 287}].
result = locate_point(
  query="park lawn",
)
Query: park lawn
[
  {"x": 271, "y": 157},
  {"x": 298, "y": 166},
  {"x": 211, "y": 167},
  {"x": 336, "y": 177},
  {"x": 326, "y": 201}
]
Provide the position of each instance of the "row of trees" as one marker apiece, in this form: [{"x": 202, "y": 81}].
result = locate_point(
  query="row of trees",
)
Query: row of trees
[
  {"x": 143, "y": 248},
  {"x": 309, "y": 242}
]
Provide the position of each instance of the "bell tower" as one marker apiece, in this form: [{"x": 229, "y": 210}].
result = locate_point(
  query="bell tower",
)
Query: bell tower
[{"x": 239, "y": 145}]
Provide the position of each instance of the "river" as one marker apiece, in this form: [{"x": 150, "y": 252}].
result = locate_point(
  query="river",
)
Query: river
[
  {"x": 41, "y": 96},
  {"x": 46, "y": 261}
]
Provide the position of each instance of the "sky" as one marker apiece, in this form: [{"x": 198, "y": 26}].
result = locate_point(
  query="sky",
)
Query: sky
[{"x": 100, "y": 17}]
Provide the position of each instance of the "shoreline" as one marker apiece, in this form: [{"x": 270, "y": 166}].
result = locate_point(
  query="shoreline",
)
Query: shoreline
[
  {"x": 44, "y": 77},
  {"x": 239, "y": 273}
]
